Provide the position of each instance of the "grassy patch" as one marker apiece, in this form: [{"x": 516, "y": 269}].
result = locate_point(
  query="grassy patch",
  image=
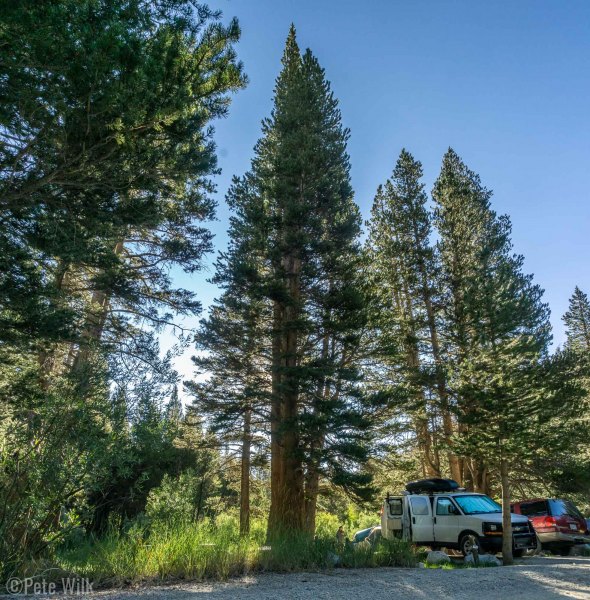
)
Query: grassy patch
[{"x": 212, "y": 551}]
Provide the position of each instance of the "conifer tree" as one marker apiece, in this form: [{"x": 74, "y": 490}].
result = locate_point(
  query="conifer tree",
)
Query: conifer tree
[
  {"x": 105, "y": 154},
  {"x": 497, "y": 331},
  {"x": 577, "y": 322},
  {"x": 106, "y": 149},
  {"x": 294, "y": 251},
  {"x": 404, "y": 272},
  {"x": 235, "y": 338},
  {"x": 235, "y": 397},
  {"x": 303, "y": 171}
]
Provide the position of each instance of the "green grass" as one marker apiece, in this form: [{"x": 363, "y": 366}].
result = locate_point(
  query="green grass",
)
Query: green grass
[{"x": 213, "y": 551}]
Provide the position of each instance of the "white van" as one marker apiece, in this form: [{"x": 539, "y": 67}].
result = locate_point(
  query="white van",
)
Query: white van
[{"x": 453, "y": 519}]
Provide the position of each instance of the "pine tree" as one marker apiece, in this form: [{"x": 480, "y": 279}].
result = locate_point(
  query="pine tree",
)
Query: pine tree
[
  {"x": 497, "y": 331},
  {"x": 235, "y": 338},
  {"x": 577, "y": 322},
  {"x": 105, "y": 154},
  {"x": 463, "y": 218},
  {"x": 404, "y": 273},
  {"x": 303, "y": 170},
  {"x": 235, "y": 397},
  {"x": 294, "y": 254},
  {"x": 106, "y": 149}
]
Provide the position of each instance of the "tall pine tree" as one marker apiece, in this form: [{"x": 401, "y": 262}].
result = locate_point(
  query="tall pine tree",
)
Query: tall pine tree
[
  {"x": 295, "y": 251},
  {"x": 497, "y": 330},
  {"x": 404, "y": 276}
]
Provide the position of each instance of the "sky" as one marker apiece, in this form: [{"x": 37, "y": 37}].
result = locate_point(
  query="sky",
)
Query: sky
[{"x": 504, "y": 83}]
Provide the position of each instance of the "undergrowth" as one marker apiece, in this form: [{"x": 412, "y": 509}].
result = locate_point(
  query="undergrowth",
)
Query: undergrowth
[{"x": 207, "y": 551}]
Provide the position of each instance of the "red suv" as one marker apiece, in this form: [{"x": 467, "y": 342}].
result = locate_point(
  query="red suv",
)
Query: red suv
[{"x": 559, "y": 525}]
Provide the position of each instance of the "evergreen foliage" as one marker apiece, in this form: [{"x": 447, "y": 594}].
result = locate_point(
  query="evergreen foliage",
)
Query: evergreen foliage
[
  {"x": 292, "y": 288},
  {"x": 106, "y": 154},
  {"x": 577, "y": 322},
  {"x": 405, "y": 279}
]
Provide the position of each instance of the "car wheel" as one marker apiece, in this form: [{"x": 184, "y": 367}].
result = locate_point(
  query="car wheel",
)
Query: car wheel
[{"x": 467, "y": 542}]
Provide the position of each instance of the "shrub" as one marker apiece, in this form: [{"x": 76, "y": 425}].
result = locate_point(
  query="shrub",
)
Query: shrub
[
  {"x": 177, "y": 499},
  {"x": 327, "y": 525}
]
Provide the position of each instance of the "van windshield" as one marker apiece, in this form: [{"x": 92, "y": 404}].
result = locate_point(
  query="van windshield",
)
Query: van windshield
[{"x": 477, "y": 505}]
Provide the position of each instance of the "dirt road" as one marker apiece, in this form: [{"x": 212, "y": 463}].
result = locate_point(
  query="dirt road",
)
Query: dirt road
[{"x": 531, "y": 579}]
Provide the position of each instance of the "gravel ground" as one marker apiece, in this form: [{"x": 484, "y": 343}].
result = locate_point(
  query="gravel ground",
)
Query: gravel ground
[{"x": 531, "y": 579}]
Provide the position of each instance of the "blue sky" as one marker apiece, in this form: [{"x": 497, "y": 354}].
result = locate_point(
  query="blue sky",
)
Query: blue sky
[{"x": 505, "y": 83}]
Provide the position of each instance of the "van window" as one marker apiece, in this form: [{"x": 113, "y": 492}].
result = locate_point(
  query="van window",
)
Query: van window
[
  {"x": 419, "y": 505},
  {"x": 445, "y": 507},
  {"x": 534, "y": 509},
  {"x": 395, "y": 506}
]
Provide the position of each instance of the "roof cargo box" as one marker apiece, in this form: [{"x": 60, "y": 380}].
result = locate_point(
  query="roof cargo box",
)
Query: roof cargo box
[{"x": 429, "y": 486}]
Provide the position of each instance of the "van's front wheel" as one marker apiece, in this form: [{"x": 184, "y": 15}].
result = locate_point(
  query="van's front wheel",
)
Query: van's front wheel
[{"x": 467, "y": 543}]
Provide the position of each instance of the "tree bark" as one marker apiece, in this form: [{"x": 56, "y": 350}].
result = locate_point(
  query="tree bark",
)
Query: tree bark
[
  {"x": 448, "y": 428},
  {"x": 245, "y": 475},
  {"x": 47, "y": 356},
  {"x": 276, "y": 467},
  {"x": 506, "y": 516},
  {"x": 287, "y": 493},
  {"x": 312, "y": 475},
  {"x": 93, "y": 326},
  {"x": 445, "y": 408},
  {"x": 291, "y": 493},
  {"x": 423, "y": 434}
]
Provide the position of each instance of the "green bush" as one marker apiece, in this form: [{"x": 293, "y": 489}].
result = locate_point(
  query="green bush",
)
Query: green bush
[
  {"x": 327, "y": 525},
  {"x": 177, "y": 499}
]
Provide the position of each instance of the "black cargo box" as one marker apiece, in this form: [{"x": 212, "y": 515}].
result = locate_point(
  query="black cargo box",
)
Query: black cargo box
[{"x": 429, "y": 486}]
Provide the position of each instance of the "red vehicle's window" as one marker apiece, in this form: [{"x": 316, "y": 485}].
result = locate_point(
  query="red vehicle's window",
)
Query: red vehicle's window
[
  {"x": 564, "y": 507},
  {"x": 534, "y": 509}
]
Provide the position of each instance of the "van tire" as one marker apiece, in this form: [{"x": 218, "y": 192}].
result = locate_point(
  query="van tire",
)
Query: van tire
[{"x": 466, "y": 542}]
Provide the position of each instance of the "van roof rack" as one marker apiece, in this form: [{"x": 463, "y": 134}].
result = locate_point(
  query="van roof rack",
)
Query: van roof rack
[
  {"x": 431, "y": 493},
  {"x": 432, "y": 485}
]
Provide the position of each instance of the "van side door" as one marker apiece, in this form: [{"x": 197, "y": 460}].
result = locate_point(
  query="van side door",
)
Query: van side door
[
  {"x": 447, "y": 526},
  {"x": 421, "y": 520}
]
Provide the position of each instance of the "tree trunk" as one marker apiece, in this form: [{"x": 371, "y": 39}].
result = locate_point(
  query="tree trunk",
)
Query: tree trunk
[
  {"x": 468, "y": 472},
  {"x": 483, "y": 484},
  {"x": 47, "y": 356},
  {"x": 441, "y": 385},
  {"x": 287, "y": 494},
  {"x": 312, "y": 475},
  {"x": 93, "y": 327},
  {"x": 276, "y": 467},
  {"x": 291, "y": 493},
  {"x": 430, "y": 468},
  {"x": 312, "y": 486},
  {"x": 423, "y": 433},
  {"x": 245, "y": 475},
  {"x": 506, "y": 516}
]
